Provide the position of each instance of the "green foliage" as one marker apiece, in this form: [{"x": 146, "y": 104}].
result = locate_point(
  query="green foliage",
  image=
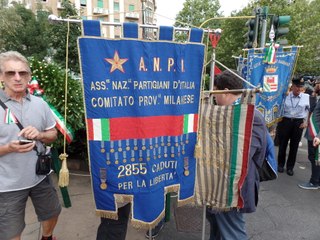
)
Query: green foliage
[
  {"x": 52, "y": 80},
  {"x": 32, "y": 35},
  {"x": 195, "y": 12},
  {"x": 22, "y": 31},
  {"x": 57, "y": 35},
  {"x": 10, "y": 24},
  {"x": 304, "y": 29}
]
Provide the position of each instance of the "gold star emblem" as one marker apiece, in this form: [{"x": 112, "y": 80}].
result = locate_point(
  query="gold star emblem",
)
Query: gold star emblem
[{"x": 116, "y": 62}]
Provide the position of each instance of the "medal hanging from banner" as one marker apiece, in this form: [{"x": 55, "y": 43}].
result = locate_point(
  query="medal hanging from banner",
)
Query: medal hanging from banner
[
  {"x": 103, "y": 178},
  {"x": 186, "y": 166}
]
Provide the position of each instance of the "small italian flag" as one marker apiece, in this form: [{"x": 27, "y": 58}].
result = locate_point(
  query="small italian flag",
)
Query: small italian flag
[
  {"x": 190, "y": 123},
  {"x": 104, "y": 129},
  {"x": 9, "y": 117},
  {"x": 61, "y": 124}
]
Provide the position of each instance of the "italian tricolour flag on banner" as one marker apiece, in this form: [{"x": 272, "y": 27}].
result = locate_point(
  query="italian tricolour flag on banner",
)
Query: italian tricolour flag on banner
[
  {"x": 222, "y": 163},
  {"x": 112, "y": 129},
  {"x": 99, "y": 129}
]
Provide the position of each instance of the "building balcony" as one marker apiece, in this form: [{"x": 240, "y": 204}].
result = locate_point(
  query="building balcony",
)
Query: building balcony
[
  {"x": 98, "y": 10},
  {"x": 132, "y": 15}
]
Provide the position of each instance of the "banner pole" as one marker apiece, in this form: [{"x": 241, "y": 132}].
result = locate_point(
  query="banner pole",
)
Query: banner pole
[
  {"x": 204, "y": 222},
  {"x": 213, "y": 57},
  {"x": 53, "y": 18},
  {"x": 236, "y": 74},
  {"x": 150, "y": 233},
  {"x": 261, "y": 48},
  {"x": 256, "y": 90}
]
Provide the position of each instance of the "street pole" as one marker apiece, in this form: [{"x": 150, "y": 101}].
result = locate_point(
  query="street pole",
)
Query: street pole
[
  {"x": 263, "y": 32},
  {"x": 264, "y": 27},
  {"x": 214, "y": 38},
  {"x": 213, "y": 62}
]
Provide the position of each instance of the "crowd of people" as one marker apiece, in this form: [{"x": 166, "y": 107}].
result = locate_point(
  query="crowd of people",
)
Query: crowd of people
[{"x": 18, "y": 180}]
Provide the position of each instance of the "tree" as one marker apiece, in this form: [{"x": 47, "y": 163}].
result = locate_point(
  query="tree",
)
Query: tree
[
  {"x": 21, "y": 31},
  {"x": 3, "y": 3},
  {"x": 305, "y": 28},
  {"x": 10, "y": 23},
  {"x": 32, "y": 41},
  {"x": 57, "y": 35},
  {"x": 304, "y": 31},
  {"x": 193, "y": 14}
]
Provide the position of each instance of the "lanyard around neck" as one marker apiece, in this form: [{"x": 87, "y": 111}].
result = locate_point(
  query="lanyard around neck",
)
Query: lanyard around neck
[{"x": 292, "y": 102}]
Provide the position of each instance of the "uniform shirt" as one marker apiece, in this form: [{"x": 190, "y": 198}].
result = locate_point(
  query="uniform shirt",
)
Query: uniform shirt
[
  {"x": 296, "y": 106},
  {"x": 17, "y": 170}
]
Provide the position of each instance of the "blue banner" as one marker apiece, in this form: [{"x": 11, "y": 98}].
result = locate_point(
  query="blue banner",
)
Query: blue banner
[
  {"x": 141, "y": 102},
  {"x": 272, "y": 78}
]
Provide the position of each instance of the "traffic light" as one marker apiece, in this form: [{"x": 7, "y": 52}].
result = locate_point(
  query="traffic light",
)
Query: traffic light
[
  {"x": 252, "y": 34},
  {"x": 279, "y": 30}
]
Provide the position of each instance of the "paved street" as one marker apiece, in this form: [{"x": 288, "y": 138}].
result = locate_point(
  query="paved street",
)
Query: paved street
[{"x": 285, "y": 212}]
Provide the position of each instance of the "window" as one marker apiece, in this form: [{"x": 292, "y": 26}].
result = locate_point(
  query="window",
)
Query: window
[
  {"x": 116, "y": 20},
  {"x": 83, "y": 2},
  {"x": 100, "y": 4},
  {"x": 131, "y": 8},
  {"x": 116, "y": 6}
]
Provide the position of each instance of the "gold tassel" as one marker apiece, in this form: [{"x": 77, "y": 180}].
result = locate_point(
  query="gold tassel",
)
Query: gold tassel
[
  {"x": 64, "y": 172},
  {"x": 198, "y": 148}
]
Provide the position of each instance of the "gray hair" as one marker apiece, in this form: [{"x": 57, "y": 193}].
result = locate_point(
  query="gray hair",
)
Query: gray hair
[{"x": 13, "y": 55}]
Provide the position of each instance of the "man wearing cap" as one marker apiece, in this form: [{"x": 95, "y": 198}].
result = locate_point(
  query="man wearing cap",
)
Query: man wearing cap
[{"x": 294, "y": 120}]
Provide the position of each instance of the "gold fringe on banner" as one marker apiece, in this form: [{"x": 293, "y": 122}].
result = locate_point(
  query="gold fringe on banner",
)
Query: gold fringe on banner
[
  {"x": 119, "y": 198},
  {"x": 197, "y": 148},
  {"x": 143, "y": 225},
  {"x": 107, "y": 214},
  {"x": 122, "y": 198},
  {"x": 185, "y": 201},
  {"x": 172, "y": 188}
]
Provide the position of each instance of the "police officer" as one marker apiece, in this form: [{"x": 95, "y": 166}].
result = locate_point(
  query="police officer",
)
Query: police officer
[{"x": 294, "y": 120}]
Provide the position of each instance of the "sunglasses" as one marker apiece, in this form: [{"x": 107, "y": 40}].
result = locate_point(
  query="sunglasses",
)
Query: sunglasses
[{"x": 13, "y": 73}]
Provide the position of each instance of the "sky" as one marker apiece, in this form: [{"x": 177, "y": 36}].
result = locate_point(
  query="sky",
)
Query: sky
[{"x": 168, "y": 9}]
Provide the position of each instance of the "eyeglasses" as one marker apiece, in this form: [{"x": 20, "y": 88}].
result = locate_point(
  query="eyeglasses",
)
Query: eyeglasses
[{"x": 13, "y": 73}]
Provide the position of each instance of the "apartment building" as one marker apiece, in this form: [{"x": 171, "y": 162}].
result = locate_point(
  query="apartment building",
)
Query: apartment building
[{"x": 113, "y": 11}]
